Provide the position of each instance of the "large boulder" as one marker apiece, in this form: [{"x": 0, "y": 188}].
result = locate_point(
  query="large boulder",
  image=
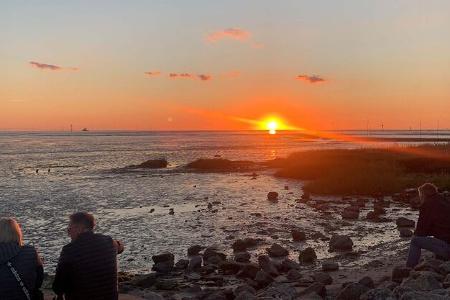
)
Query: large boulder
[
  {"x": 298, "y": 235},
  {"x": 307, "y": 255},
  {"x": 294, "y": 275},
  {"x": 323, "y": 278},
  {"x": 164, "y": 262},
  {"x": 249, "y": 271},
  {"x": 211, "y": 256},
  {"x": 267, "y": 265},
  {"x": 352, "y": 291},
  {"x": 404, "y": 222},
  {"x": 422, "y": 282},
  {"x": 277, "y": 251},
  {"x": 167, "y": 284},
  {"x": 244, "y": 244},
  {"x": 263, "y": 278},
  {"x": 399, "y": 273},
  {"x": 444, "y": 268},
  {"x": 312, "y": 290},
  {"x": 229, "y": 267},
  {"x": 195, "y": 263},
  {"x": 272, "y": 196},
  {"x": 242, "y": 257},
  {"x": 446, "y": 282},
  {"x": 239, "y": 245},
  {"x": 330, "y": 266},
  {"x": 341, "y": 243},
  {"x": 220, "y": 165},
  {"x": 378, "y": 294},
  {"x": 244, "y": 288},
  {"x": 405, "y": 232},
  {"x": 367, "y": 281},
  {"x": 415, "y": 295},
  {"x": 279, "y": 291},
  {"x": 153, "y": 164},
  {"x": 288, "y": 264},
  {"x": 350, "y": 214},
  {"x": 245, "y": 295},
  {"x": 182, "y": 264},
  {"x": 143, "y": 281},
  {"x": 194, "y": 250}
]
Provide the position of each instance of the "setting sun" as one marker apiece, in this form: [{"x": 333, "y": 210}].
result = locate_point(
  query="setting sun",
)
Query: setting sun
[{"x": 272, "y": 125}]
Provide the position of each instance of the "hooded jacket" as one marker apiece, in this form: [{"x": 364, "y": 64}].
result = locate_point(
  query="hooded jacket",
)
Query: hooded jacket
[
  {"x": 29, "y": 266},
  {"x": 434, "y": 218}
]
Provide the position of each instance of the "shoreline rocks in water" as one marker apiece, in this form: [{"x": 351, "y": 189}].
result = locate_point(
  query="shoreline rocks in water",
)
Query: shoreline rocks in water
[
  {"x": 222, "y": 165},
  {"x": 215, "y": 276},
  {"x": 151, "y": 164}
]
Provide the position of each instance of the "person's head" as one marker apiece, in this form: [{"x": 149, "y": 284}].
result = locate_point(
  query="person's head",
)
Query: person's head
[
  {"x": 10, "y": 231},
  {"x": 80, "y": 222},
  {"x": 425, "y": 191}
]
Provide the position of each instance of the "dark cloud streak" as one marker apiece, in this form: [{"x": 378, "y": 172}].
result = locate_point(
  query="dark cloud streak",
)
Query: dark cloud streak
[{"x": 310, "y": 78}]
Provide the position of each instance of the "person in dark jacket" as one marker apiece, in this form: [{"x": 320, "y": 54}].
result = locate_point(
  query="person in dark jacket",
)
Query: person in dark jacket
[
  {"x": 87, "y": 266},
  {"x": 18, "y": 263},
  {"x": 433, "y": 226}
]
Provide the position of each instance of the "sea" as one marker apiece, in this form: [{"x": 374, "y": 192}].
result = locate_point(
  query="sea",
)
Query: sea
[{"x": 46, "y": 176}]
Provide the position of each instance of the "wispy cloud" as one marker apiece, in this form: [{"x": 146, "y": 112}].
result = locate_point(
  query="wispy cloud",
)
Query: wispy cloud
[
  {"x": 153, "y": 73},
  {"x": 173, "y": 75},
  {"x": 49, "y": 67},
  {"x": 310, "y": 78},
  {"x": 236, "y": 34},
  {"x": 181, "y": 75},
  {"x": 203, "y": 77},
  {"x": 229, "y": 33}
]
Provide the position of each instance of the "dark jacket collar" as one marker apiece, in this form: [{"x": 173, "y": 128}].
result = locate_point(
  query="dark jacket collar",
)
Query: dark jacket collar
[{"x": 8, "y": 251}]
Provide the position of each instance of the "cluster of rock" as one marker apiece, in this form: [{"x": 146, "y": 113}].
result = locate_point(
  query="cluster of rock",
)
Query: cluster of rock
[
  {"x": 151, "y": 164},
  {"x": 209, "y": 274},
  {"x": 352, "y": 211},
  {"x": 222, "y": 165}
]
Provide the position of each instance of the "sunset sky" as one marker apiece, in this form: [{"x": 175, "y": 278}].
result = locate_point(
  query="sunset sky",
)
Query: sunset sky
[{"x": 188, "y": 65}]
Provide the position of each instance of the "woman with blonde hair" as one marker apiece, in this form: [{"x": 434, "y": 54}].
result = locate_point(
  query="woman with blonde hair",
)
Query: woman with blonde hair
[
  {"x": 21, "y": 270},
  {"x": 433, "y": 226}
]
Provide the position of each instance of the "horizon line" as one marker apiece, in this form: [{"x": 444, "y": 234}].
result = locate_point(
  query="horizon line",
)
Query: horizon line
[{"x": 223, "y": 130}]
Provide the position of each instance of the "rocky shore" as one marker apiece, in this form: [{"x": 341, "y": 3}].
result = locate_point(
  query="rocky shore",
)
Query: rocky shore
[{"x": 250, "y": 268}]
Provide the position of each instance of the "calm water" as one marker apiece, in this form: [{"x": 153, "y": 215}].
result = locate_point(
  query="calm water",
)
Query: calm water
[{"x": 78, "y": 171}]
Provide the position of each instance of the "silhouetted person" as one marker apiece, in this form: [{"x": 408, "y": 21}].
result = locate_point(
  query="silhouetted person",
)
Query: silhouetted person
[
  {"x": 433, "y": 227},
  {"x": 87, "y": 266},
  {"x": 19, "y": 264}
]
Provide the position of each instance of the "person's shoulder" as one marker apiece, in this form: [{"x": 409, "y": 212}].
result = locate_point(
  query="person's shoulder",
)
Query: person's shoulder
[
  {"x": 28, "y": 249},
  {"x": 102, "y": 237},
  {"x": 68, "y": 247}
]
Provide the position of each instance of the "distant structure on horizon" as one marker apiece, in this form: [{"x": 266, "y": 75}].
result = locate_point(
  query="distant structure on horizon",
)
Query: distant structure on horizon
[{"x": 84, "y": 129}]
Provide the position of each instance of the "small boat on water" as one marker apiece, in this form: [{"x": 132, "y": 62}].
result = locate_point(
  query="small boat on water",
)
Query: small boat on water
[{"x": 84, "y": 129}]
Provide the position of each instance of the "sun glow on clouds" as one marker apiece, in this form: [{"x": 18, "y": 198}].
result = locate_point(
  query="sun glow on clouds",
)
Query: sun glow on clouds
[{"x": 271, "y": 124}]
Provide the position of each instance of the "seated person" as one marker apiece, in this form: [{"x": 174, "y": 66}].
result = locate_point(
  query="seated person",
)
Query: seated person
[
  {"x": 21, "y": 270},
  {"x": 87, "y": 266},
  {"x": 433, "y": 227}
]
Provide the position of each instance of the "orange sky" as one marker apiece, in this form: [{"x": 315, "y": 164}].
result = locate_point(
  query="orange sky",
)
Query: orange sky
[{"x": 161, "y": 66}]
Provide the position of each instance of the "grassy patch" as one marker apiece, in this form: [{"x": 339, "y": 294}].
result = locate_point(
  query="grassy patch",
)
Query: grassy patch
[{"x": 368, "y": 171}]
